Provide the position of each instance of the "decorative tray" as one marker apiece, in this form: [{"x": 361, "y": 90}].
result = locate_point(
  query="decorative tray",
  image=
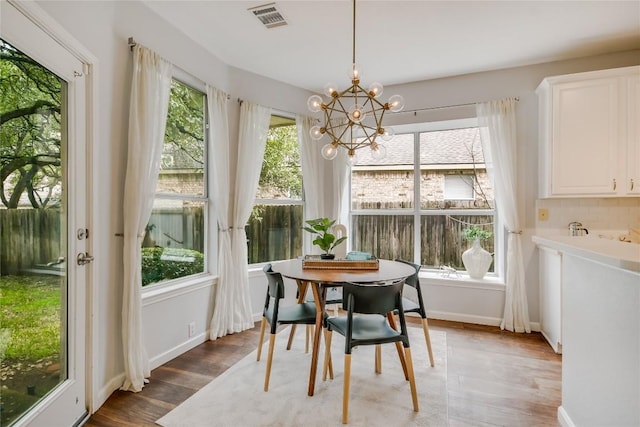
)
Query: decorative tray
[{"x": 314, "y": 262}]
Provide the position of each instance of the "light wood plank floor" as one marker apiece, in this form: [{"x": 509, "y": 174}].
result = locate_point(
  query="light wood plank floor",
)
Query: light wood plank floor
[{"x": 495, "y": 378}]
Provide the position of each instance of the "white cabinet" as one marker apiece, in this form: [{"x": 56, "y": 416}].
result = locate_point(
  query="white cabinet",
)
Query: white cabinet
[
  {"x": 632, "y": 185},
  {"x": 589, "y": 132},
  {"x": 550, "y": 276}
]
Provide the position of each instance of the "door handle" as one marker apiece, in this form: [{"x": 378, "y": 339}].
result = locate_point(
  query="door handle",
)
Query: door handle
[{"x": 84, "y": 258}]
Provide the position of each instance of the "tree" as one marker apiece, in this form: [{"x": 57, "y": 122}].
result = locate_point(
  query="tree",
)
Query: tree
[
  {"x": 184, "y": 133},
  {"x": 30, "y": 131},
  {"x": 281, "y": 173}
]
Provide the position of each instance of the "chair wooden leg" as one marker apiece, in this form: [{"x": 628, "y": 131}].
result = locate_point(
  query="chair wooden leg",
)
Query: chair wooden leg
[
  {"x": 378, "y": 359},
  {"x": 263, "y": 326},
  {"x": 327, "y": 356},
  {"x": 394, "y": 325},
  {"x": 292, "y": 333},
  {"x": 345, "y": 393},
  {"x": 412, "y": 379},
  {"x": 272, "y": 341},
  {"x": 427, "y": 338}
]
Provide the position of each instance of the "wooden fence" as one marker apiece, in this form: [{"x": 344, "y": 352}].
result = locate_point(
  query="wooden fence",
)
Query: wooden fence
[
  {"x": 31, "y": 237},
  {"x": 274, "y": 233},
  {"x": 28, "y": 238},
  {"x": 392, "y": 236}
]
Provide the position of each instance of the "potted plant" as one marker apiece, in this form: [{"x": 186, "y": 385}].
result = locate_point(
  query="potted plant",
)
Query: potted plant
[
  {"x": 476, "y": 259},
  {"x": 324, "y": 239}
]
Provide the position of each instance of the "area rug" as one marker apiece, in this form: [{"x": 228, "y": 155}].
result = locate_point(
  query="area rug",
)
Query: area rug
[{"x": 237, "y": 399}]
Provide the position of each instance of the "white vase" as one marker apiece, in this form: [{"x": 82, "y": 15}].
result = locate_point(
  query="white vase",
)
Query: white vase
[{"x": 476, "y": 260}]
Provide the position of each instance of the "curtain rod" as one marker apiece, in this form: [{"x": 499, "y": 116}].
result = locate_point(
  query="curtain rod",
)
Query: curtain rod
[
  {"x": 417, "y": 110},
  {"x": 132, "y": 43}
]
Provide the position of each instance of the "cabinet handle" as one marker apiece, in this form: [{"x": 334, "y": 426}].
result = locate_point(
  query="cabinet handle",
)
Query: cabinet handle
[
  {"x": 614, "y": 184},
  {"x": 631, "y": 184}
]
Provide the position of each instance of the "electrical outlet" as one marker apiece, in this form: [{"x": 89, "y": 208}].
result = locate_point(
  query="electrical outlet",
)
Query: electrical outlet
[
  {"x": 543, "y": 214},
  {"x": 192, "y": 329}
]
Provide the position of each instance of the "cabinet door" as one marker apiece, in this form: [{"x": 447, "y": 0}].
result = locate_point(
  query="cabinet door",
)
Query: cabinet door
[
  {"x": 585, "y": 132},
  {"x": 632, "y": 182},
  {"x": 550, "y": 276}
]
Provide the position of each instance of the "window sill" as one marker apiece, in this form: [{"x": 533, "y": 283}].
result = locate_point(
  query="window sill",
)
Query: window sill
[
  {"x": 434, "y": 278},
  {"x": 163, "y": 291}
]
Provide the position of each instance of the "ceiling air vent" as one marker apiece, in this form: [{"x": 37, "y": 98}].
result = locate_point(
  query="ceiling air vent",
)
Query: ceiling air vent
[{"x": 269, "y": 15}]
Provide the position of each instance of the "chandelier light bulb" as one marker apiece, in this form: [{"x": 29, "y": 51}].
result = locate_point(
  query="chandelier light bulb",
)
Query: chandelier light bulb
[
  {"x": 314, "y": 103},
  {"x": 329, "y": 151},
  {"x": 386, "y": 133},
  {"x": 396, "y": 103},
  {"x": 356, "y": 113},
  {"x": 375, "y": 89},
  {"x": 355, "y": 72},
  {"x": 330, "y": 90},
  {"x": 378, "y": 151},
  {"x": 352, "y": 158},
  {"x": 316, "y": 132}
]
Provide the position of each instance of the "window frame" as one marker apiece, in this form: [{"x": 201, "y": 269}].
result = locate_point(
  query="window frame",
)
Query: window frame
[
  {"x": 210, "y": 231},
  {"x": 418, "y": 213}
]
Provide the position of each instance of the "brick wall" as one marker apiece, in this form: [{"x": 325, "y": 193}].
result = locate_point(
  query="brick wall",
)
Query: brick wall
[{"x": 394, "y": 189}]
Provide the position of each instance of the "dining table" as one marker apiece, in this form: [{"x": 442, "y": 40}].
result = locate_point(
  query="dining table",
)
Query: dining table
[{"x": 320, "y": 279}]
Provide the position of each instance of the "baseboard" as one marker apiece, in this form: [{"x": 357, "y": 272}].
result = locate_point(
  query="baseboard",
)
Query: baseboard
[
  {"x": 474, "y": 319},
  {"x": 557, "y": 347},
  {"x": 176, "y": 351},
  {"x": 464, "y": 318},
  {"x": 564, "y": 419}
]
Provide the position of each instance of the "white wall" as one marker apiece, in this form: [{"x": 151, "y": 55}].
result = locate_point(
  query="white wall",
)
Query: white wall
[{"x": 103, "y": 27}]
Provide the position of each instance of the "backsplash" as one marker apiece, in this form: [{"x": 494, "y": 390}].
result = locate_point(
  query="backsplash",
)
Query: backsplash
[{"x": 617, "y": 214}]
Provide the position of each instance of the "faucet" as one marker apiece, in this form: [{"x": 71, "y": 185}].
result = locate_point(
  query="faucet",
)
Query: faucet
[{"x": 576, "y": 229}]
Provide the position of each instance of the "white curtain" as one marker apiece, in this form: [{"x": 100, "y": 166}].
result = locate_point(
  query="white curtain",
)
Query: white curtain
[
  {"x": 339, "y": 201},
  {"x": 312, "y": 164},
  {"x": 497, "y": 121},
  {"x": 232, "y": 310},
  {"x": 148, "y": 107},
  {"x": 325, "y": 181},
  {"x": 220, "y": 193}
]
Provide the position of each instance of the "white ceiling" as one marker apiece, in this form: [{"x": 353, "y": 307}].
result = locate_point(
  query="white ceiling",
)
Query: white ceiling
[{"x": 403, "y": 41}]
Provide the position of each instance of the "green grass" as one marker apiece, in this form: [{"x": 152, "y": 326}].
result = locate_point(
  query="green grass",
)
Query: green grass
[{"x": 30, "y": 316}]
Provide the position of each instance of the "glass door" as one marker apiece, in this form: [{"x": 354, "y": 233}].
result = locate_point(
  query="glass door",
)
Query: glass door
[{"x": 42, "y": 287}]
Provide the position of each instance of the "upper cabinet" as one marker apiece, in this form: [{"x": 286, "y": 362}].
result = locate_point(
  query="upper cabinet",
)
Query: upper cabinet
[{"x": 590, "y": 134}]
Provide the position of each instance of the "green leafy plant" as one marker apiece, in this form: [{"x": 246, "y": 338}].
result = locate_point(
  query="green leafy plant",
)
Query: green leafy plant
[
  {"x": 325, "y": 240},
  {"x": 474, "y": 232},
  {"x": 178, "y": 263}
]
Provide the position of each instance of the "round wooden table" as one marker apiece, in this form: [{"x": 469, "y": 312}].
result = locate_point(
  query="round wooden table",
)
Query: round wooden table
[{"x": 321, "y": 279}]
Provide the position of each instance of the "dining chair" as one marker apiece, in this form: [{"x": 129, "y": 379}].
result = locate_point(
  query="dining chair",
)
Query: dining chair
[
  {"x": 366, "y": 323},
  {"x": 302, "y": 313},
  {"x": 410, "y": 306}
]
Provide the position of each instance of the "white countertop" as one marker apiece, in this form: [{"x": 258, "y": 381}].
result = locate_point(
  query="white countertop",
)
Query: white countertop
[{"x": 611, "y": 252}]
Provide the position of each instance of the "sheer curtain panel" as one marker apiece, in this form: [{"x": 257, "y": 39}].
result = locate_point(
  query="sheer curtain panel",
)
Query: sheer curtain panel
[
  {"x": 497, "y": 121},
  {"x": 148, "y": 108},
  {"x": 219, "y": 184},
  {"x": 232, "y": 309}
]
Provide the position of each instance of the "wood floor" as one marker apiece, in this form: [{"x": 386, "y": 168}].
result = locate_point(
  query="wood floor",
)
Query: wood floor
[{"x": 495, "y": 378}]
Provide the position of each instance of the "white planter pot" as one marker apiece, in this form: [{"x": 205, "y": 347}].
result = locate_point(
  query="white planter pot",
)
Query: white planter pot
[{"x": 476, "y": 260}]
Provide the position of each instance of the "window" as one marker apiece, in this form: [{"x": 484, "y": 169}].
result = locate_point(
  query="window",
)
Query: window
[
  {"x": 414, "y": 203},
  {"x": 174, "y": 241},
  {"x": 274, "y": 229},
  {"x": 458, "y": 186}
]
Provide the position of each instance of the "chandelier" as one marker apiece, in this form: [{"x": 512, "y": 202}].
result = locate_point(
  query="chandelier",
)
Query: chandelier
[{"x": 353, "y": 117}]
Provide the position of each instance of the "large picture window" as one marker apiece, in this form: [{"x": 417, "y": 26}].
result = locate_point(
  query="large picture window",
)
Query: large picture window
[
  {"x": 174, "y": 242},
  {"x": 274, "y": 229},
  {"x": 443, "y": 168}
]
